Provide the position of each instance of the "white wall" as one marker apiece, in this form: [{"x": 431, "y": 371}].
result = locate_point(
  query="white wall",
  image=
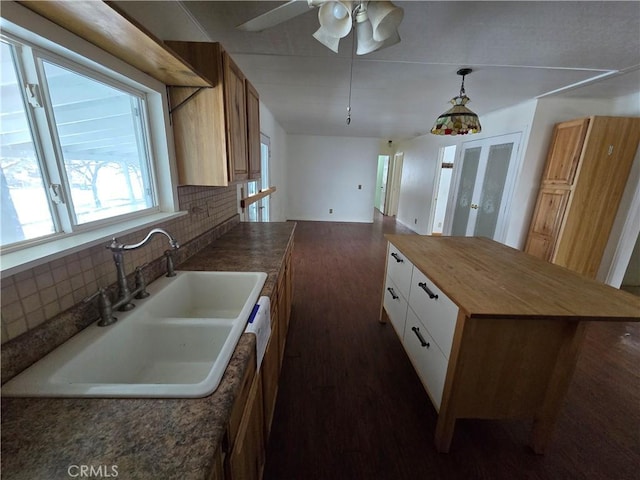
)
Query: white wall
[
  {"x": 418, "y": 177},
  {"x": 324, "y": 173},
  {"x": 277, "y": 165}
]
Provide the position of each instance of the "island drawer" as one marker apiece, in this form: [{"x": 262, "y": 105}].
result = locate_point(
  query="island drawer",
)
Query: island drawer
[
  {"x": 428, "y": 361},
  {"x": 399, "y": 268},
  {"x": 396, "y": 306},
  {"x": 438, "y": 313}
]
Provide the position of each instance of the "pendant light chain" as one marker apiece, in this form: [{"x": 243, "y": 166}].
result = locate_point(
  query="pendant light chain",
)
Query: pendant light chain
[{"x": 350, "y": 82}]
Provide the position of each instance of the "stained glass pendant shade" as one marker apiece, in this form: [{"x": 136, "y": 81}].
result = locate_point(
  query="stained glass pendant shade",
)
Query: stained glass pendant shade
[{"x": 458, "y": 120}]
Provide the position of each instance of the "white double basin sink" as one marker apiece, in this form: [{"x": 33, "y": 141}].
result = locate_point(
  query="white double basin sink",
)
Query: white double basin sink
[{"x": 176, "y": 343}]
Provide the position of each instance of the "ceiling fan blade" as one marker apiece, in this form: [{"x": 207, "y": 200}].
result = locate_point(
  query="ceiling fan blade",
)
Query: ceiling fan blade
[{"x": 280, "y": 14}]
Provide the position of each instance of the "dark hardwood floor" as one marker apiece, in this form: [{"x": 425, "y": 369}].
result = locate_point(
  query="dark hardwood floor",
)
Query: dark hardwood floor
[{"x": 351, "y": 407}]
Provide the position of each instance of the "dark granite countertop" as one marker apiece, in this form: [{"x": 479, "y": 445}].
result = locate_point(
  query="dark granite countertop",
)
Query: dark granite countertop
[{"x": 43, "y": 438}]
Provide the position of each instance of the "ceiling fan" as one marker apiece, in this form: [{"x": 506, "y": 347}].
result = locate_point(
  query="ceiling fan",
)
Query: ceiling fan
[{"x": 376, "y": 22}]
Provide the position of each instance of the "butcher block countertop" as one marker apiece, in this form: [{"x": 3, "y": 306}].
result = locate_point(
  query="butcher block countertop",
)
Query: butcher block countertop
[
  {"x": 518, "y": 332},
  {"x": 488, "y": 279}
]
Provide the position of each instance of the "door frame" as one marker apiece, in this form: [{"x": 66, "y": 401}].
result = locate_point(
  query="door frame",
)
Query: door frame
[
  {"x": 512, "y": 176},
  {"x": 393, "y": 184}
]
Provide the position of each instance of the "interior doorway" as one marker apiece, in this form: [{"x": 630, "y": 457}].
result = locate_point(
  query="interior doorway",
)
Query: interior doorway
[
  {"x": 393, "y": 185},
  {"x": 441, "y": 187},
  {"x": 381, "y": 182}
]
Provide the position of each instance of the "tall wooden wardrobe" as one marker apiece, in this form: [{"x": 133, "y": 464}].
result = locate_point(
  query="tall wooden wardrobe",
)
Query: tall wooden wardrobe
[{"x": 587, "y": 167}]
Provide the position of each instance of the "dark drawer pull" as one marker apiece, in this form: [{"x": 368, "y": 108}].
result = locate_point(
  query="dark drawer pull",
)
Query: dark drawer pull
[
  {"x": 423, "y": 286},
  {"x": 423, "y": 342},
  {"x": 393, "y": 294},
  {"x": 397, "y": 257}
]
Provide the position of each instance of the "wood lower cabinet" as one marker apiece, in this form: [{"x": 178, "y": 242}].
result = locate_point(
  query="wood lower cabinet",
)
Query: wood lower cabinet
[
  {"x": 272, "y": 362},
  {"x": 587, "y": 167},
  {"x": 252, "y": 413},
  {"x": 491, "y": 331},
  {"x": 246, "y": 459},
  {"x": 217, "y": 471},
  {"x": 215, "y": 128}
]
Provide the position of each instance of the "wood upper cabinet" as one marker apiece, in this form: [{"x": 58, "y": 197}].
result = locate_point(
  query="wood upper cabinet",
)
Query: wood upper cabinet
[
  {"x": 253, "y": 130},
  {"x": 236, "y": 109},
  {"x": 586, "y": 173},
  {"x": 211, "y": 129}
]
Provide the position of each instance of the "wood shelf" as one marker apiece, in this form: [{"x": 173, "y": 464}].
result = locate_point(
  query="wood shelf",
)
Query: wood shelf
[
  {"x": 245, "y": 202},
  {"x": 104, "y": 25}
]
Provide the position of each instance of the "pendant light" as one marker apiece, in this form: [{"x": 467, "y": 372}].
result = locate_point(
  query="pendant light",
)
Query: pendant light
[{"x": 458, "y": 120}]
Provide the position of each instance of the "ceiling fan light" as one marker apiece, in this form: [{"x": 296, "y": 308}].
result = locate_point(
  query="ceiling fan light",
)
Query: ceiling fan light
[
  {"x": 364, "y": 34},
  {"x": 326, "y": 39},
  {"x": 385, "y": 18},
  {"x": 391, "y": 40},
  {"x": 335, "y": 26}
]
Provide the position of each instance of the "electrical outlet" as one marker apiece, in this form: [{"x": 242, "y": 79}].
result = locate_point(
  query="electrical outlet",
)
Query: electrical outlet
[{"x": 331, "y": 210}]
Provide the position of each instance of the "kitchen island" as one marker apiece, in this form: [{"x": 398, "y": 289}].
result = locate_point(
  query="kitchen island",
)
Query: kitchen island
[
  {"x": 491, "y": 331},
  {"x": 54, "y": 438}
]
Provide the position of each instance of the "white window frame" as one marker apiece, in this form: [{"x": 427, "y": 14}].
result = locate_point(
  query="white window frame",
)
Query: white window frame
[{"x": 35, "y": 30}]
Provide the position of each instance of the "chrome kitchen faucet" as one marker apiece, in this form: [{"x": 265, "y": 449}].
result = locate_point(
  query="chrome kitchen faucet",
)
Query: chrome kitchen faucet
[{"x": 117, "y": 249}]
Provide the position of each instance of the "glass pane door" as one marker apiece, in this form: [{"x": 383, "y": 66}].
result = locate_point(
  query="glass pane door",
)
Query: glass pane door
[
  {"x": 484, "y": 186},
  {"x": 464, "y": 197},
  {"x": 493, "y": 186}
]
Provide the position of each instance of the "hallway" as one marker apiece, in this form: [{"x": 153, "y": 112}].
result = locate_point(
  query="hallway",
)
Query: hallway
[{"x": 351, "y": 407}]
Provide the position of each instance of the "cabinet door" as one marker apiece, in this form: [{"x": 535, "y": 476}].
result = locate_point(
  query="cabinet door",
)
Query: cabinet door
[
  {"x": 546, "y": 222},
  {"x": 236, "y": 112},
  {"x": 282, "y": 312},
  {"x": 270, "y": 376},
  {"x": 253, "y": 130},
  {"x": 247, "y": 457},
  {"x": 564, "y": 152},
  {"x": 288, "y": 287},
  {"x": 217, "y": 471}
]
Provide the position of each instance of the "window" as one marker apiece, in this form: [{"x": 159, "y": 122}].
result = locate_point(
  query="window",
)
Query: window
[{"x": 74, "y": 150}]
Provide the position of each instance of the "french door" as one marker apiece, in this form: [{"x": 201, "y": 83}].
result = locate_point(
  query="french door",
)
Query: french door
[{"x": 484, "y": 179}]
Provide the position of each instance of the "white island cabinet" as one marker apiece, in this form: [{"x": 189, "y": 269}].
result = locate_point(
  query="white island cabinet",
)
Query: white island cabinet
[{"x": 492, "y": 332}]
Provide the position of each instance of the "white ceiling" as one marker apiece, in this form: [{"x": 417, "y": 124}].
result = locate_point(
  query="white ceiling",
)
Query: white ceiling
[{"x": 518, "y": 51}]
